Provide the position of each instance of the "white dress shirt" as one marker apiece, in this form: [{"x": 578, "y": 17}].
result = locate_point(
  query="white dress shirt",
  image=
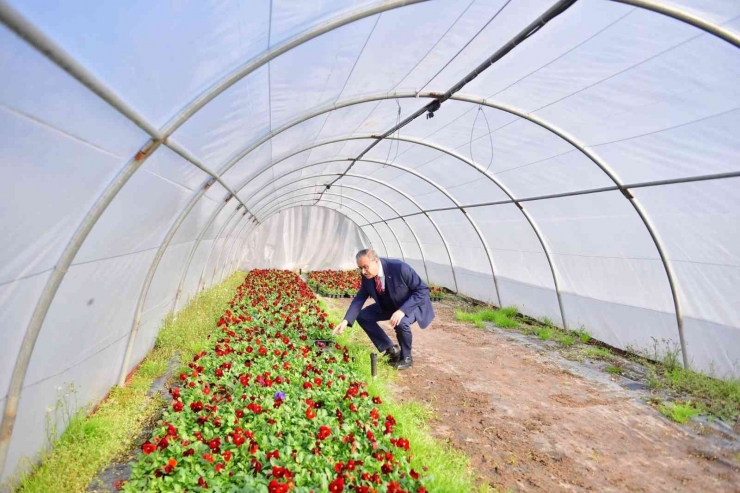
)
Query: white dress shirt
[{"x": 381, "y": 275}]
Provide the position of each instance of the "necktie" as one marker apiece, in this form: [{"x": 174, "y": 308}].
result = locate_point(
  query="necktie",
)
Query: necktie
[{"x": 378, "y": 285}]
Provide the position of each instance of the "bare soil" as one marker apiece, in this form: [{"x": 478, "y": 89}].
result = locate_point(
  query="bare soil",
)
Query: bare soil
[{"x": 532, "y": 421}]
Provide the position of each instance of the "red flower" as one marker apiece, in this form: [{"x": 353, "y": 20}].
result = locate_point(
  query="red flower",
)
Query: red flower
[
  {"x": 148, "y": 447},
  {"x": 226, "y": 455},
  {"x": 310, "y": 413},
  {"x": 196, "y": 407},
  {"x": 238, "y": 440},
  {"x": 208, "y": 458},
  {"x": 324, "y": 432},
  {"x": 337, "y": 486},
  {"x": 172, "y": 463},
  {"x": 414, "y": 474},
  {"x": 276, "y": 487},
  {"x": 219, "y": 467},
  {"x": 394, "y": 487}
]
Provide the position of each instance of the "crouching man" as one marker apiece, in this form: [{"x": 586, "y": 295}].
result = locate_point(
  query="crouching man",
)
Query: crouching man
[{"x": 400, "y": 297}]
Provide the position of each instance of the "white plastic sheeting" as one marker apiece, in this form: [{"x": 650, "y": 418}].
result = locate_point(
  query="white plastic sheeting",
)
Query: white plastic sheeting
[
  {"x": 589, "y": 176},
  {"x": 305, "y": 238}
]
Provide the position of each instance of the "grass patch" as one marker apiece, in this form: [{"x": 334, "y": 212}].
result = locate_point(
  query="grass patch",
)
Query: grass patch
[
  {"x": 680, "y": 412},
  {"x": 598, "y": 352},
  {"x": 503, "y": 317},
  {"x": 447, "y": 469},
  {"x": 583, "y": 336},
  {"x": 720, "y": 398},
  {"x": 544, "y": 333},
  {"x": 614, "y": 370},
  {"x": 565, "y": 339},
  {"x": 89, "y": 444}
]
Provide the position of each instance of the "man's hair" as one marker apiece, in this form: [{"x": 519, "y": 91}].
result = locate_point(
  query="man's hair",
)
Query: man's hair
[{"x": 367, "y": 252}]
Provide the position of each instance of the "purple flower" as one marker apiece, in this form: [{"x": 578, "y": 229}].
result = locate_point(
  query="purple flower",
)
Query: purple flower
[{"x": 279, "y": 395}]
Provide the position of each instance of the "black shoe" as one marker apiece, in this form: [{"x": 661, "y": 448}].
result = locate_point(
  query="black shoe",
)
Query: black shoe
[
  {"x": 393, "y": 353},
  {"x": 405, "y": 363}
]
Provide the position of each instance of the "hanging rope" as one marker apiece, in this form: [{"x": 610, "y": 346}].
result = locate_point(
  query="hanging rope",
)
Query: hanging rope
[{"x": 490, "y": 137}]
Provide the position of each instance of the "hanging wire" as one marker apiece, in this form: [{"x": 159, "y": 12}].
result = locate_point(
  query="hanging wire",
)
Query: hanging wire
[
  {"x": 490, "y": 137},
  {"x": 398, "y": 134}
]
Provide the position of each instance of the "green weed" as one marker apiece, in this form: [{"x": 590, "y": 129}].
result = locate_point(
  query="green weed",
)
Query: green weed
[
  {"x": 679, "y": 412},
  {"x": 583, "y": 335},
  {"x": 598, "y": 352},
  {"x": 565, "y": 339},
  {"x": 503, "y": 317},
  {"x": 544, "y": 333}
]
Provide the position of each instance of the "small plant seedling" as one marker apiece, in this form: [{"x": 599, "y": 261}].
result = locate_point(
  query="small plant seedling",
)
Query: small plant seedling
[
  {"x": 679, "y": 412},
  {"x": 583, "y": 335},
  {"x": 598, "y": 352},
  {"x": 565, "y": 339},
  {"x": 544, "y": 333}
]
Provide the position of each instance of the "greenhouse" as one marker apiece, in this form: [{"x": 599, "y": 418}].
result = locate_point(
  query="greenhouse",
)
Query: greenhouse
[{"x": 563, "y": 175}]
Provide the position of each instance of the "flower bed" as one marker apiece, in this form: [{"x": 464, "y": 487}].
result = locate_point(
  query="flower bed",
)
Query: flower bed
[
  {"x": 267, "y": 409},
  {"x": 335, "y": 283},
  {"x": 436, "y": 293}
]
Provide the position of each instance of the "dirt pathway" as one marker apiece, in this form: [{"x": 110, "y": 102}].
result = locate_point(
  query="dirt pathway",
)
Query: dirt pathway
[{"x": 529, "y": 423}]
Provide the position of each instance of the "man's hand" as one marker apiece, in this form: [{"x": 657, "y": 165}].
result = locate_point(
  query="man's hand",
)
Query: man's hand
[
  {"x": 339, "y": 328},
  {"x": 396, "y": 318}
]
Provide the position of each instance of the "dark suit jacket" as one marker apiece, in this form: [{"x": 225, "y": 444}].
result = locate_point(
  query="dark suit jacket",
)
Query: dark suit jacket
[{"x": 405, "y": 288}]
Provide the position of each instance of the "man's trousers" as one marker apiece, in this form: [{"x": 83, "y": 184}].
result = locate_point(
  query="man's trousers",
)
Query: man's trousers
[{"x": 369, "y": 318}]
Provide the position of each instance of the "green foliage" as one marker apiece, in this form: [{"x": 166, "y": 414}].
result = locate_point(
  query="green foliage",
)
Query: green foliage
[
  {"x": 503, "y": 317},
  {"x": 720, "y": 398},
  {"x": 583, "y": 335},
  {"x": 565, "y": 339},
  {"x": 598, "y": 352},
  {"x": 679, "y": 412},
  {"x": 544, "y": 333}
]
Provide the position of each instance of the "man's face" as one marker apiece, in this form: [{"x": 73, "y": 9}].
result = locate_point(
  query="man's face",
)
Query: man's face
[{"x": 368, "y": 268}]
